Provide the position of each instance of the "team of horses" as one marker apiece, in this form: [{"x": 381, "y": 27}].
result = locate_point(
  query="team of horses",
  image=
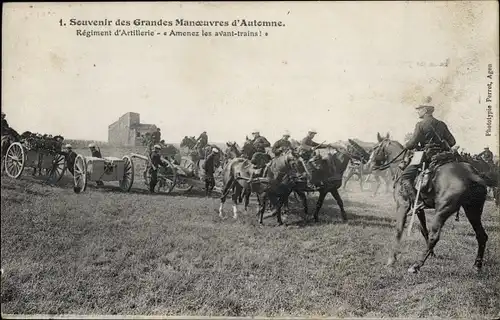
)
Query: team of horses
[{"x": 461, "y": 183}]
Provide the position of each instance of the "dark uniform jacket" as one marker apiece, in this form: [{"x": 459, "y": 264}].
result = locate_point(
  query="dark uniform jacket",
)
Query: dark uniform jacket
[
  {"x": 156, "y": 160},
  {"x": 202, "y": 140},
  {"x": 487, "y": 155},
  {"x": 260, "y": 144},
  {"x": 308, "y": 143},
  {"x": 283, "y": 144},
  {"x": 156, "y": 137},
  {"x": 70, "y": 159},
  {"x": 96, "y": 153},
  {"x": 209, "y": 164},
  {"x": 431, "y": 133},
  {"x": 5, "y": 127}
]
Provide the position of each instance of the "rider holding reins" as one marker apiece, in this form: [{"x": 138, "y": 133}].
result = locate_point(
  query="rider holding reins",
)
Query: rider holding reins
[{"x": 431, "y": 136}]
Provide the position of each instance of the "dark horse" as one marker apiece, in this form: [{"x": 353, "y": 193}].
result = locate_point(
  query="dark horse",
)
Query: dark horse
[
  {"x": 454, "y": 185},
  {"x": 276, "y": 183},
  {"x": 325, "y": 172}
]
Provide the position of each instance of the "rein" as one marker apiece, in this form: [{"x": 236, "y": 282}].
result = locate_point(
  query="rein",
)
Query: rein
[{"x": 388, "y": 164}]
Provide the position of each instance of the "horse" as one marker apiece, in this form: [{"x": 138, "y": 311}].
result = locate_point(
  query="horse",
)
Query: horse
[
  {"x": 325, "y": 172},
  {"x": 188, "y": 142},
  {"x": 454, "y": 185},
  {"x": 275, "y": 184}
]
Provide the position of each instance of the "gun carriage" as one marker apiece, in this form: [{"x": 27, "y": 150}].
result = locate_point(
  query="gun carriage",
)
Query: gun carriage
[{"x": 103, "y": 169}]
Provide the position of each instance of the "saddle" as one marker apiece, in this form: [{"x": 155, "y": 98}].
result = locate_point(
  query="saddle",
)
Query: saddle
[{"x": 436, "y": 161}]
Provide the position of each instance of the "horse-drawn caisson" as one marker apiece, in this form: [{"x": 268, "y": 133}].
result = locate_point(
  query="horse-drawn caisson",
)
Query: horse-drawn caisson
[{"x": 42, "y": 153}]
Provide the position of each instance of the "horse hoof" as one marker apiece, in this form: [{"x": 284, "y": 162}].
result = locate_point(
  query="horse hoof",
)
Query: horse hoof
[
  {"x": 413, "y": 269},
  {"x": 390, "y": 262},
  {"x": 478, "y": 265}
]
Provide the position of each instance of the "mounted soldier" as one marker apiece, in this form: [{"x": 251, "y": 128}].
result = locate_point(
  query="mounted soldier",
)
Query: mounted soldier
[
  {"x": 259, "y": 142},
  {"x": 259, "y": 158},
  {"x": 201, "y": 144},
  {"x": 308, "y": 145},
  {"x": 431, "y": 136},
  {"x": 486, "y": 155},
  {"x": 156, "y": 136},
  {"x": 282, "y": 145}
]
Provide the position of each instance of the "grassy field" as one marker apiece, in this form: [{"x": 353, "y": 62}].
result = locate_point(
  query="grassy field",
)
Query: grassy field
[{"x": 108, "y": 252}]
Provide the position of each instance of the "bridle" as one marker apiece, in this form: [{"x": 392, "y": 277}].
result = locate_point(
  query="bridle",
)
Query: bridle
[{"x": 377, "y": 158}]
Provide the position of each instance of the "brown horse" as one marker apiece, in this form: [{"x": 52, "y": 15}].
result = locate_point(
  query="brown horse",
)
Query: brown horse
[
  {"x": 325, "y": 172},
  {"x": 276, "y": 183},
  {"x": 454, "y": 185}
]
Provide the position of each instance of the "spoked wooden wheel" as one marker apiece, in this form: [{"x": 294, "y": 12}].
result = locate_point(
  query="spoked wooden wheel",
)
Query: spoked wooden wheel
[
  {"x": 80, "y": 174},
  {"x": 167, "y": 178},
  {"x": 58, "y": 168},
  {"x": 128, "y": 174},
  {"x": 14, "y": 160},
  {"x": 183, "y": 185},
  {"x": 182, "y": 182}
]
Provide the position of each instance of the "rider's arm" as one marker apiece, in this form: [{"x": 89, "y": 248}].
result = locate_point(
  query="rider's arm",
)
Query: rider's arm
[
  {"x": 266, "y": 143},
  {"x": 415, "y": 138},
  {"x": 448, "y": 136}
]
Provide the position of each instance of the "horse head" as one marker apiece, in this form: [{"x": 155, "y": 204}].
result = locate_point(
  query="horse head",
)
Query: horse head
[
  {"x": 232, "y": 150},
  {"x": 385, "y": 150},
  {"x": 248, "y": 149}
]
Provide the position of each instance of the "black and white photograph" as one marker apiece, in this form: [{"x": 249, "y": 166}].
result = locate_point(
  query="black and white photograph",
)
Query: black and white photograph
[{"x": 250, "y": 160}]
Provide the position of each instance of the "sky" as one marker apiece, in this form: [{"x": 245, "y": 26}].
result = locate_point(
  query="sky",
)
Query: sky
[{"x": 345, "y": 69}]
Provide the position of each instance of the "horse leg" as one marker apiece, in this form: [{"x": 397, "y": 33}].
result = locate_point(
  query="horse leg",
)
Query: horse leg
[
  {"x": 286, "y": 204},
  {"x": 360, "y": 175},
  {"x": 247, "y": 198},
  {"x": 379, "y": 182},
  {"x": 423, "y": 227},
  {"x": 473, "y": 213},
  {"x": 262, "y": 198},
  {"x": 349, "y": 175},
  {"x": 279, "y": 203},
  {"x": 336, "y": 196},
  {"x": 443, "y": 212},
  {"x": 402, "y": 208},
  {"x": 319, "y": 204},
  {"x": 303, "y": 197},
  {"x": 236, "y": 194},
  {"x": 230, "y": 185}
]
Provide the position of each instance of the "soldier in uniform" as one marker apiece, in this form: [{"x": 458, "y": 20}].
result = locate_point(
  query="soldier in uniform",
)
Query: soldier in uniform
[
  {"x": 282, "y": 145},
  {"x": 209, "y": 167},
  {"x": 201, "y": 143},
  {"x": 486, "y": 155},
  {"x": 308, "y": 145},
  {"x": 70, "y": 157},
  {"x": 260, "y": 144},
  {"x": 95, "y": 152},
  {"x": 5, "y": 125},
  {"x": 156, "y": 162},
  {"x": 156, "y": 136},
  {"x": 431, "y": 136}
]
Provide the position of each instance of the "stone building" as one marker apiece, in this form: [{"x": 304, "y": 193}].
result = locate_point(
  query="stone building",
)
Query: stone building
[{"x": 128, "y": 130}]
